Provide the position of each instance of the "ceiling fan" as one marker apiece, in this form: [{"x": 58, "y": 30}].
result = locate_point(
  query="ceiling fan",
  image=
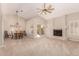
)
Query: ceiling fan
[{"x": 46, "y": 9}]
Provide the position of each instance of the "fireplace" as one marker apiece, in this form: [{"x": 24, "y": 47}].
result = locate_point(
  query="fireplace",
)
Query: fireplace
[{"x": 57, "y": 32}]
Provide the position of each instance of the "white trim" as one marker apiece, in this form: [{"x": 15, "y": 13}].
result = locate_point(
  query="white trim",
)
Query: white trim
[{"x": 2, "y": 28}]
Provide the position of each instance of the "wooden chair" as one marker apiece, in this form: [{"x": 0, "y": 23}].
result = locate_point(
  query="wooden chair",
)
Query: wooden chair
[{"x": 6, "y": 35}]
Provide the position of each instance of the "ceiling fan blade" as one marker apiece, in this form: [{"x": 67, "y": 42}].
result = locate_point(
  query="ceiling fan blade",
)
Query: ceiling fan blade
[
  {"x": 49, "y": 11},
  {"x": 41, "y": 12},
  {"x": 50, "y": 6},
  {"x": 45, "y": 13}
]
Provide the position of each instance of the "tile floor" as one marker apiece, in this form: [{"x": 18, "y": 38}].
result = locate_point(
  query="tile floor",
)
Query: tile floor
[{"x": 39, "y": 47}]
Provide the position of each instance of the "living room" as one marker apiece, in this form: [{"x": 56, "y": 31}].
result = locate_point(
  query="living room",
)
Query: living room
[{"x": 39, "y": 28}]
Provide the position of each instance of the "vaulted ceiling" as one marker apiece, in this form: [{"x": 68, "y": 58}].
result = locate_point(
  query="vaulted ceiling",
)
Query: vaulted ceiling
[{"x": 30, "y": 9}]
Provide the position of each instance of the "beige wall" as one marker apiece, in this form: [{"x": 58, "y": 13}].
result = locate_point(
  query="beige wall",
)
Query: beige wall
[
  {"x": 55, "y": 23},
  {"x": 69, "y": 24},
  {"x": 38, "y": 20},
  {"x": 31, "y": 25},
  {"x": 62, "y": 22},
  {"x": 49, "y": 28}
]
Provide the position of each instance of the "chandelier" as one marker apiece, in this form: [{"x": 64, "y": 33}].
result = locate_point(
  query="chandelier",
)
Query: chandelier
[
  {"x": 46, "y": 8},
  {"x": 16, "y": 26}
]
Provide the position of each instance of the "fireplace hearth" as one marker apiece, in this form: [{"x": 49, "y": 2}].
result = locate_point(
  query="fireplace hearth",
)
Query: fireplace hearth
[{"x": 57, "y": 32}]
